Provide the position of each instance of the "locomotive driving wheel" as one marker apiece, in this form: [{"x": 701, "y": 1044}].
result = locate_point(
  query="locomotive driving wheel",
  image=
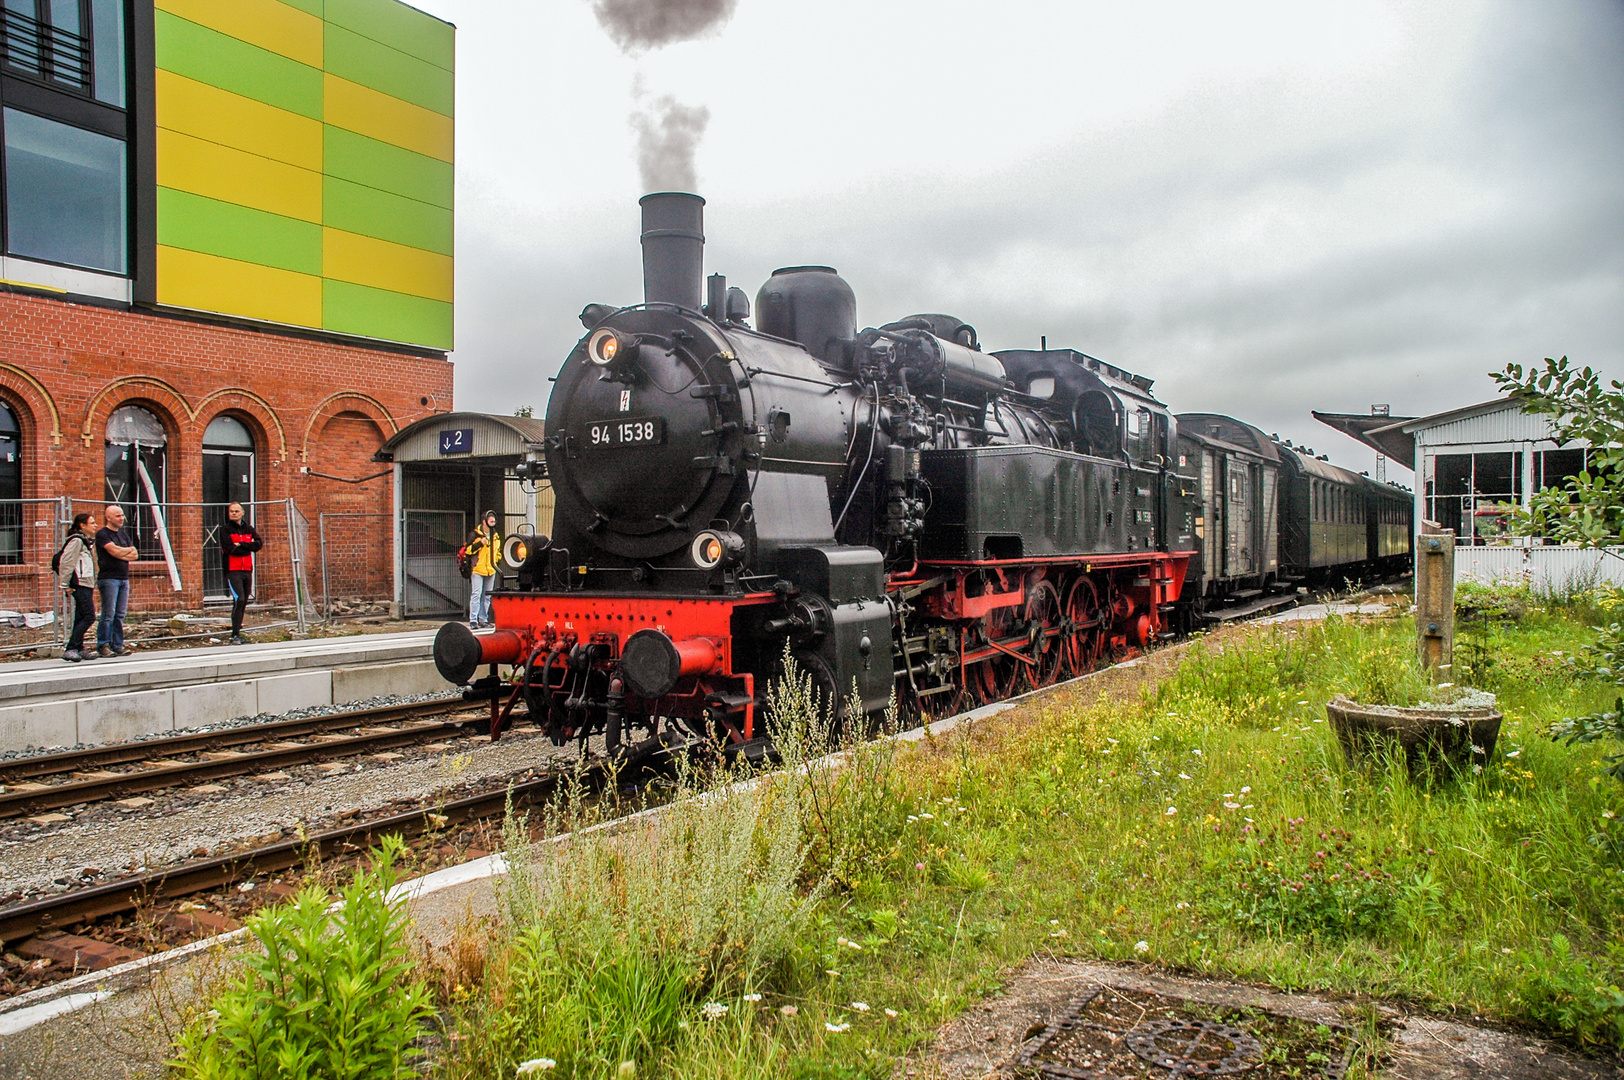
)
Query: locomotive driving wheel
[
  {"x": 1043, "y": 624},
  {"x": 995, "y": 677},
  {"x": 1082, "y": 644}
]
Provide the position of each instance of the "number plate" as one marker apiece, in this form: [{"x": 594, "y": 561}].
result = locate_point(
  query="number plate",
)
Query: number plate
[{"x": 632, "y": 431}]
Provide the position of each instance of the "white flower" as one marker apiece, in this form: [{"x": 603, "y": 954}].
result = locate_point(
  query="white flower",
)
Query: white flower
[
  {"x": 1184, "y": 776},
  {"x": 892, "y": 1013},
  {"x": 1445, "y": 685},
  {"x": 1181, "y": 905},
  {"x": 860, "y": 1006},
  {"x": 848, "y": 944},
  {"x": 832, "y": 973},
  {"x": 1060, "y": 933},
  {"x": 927, "y": 817},
  {"x": 1112, "y": 741},
  {"x": 1196, "y": 752},
  {"x": 1514, "y": 753},
  {"x": 752, "y": 997},
  {"x": 1170, "y": 811},
  {"x": 713, "y": 1010},
  {"x": 535, "y": 1065},
  {"x": 1054, "y": 922},
  {"x": 789, "y": 1010},
  {"x": 1229, "y": 794},
  {"x": 1477, "y": 769},
  {"x": 1608, "y": 814},
  {"x": 1246, "y": 790},
  {"x": 1302, "y": 703},
  {"x": 1476, "y": 749},
  {"x": 1141, "y": 947},
  {"x": 1232, "y": 806},
  {"x": 912, "y": 818},
  {"x": 836, "y": 1028},
  {"x": 1506, "y": 951}
]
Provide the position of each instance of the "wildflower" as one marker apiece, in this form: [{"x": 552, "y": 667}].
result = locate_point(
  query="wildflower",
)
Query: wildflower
[
  {"x": 860, "y": 1006},
  {"x": 1477, "y": 769},
  {"x": 1054, "y": 922},
  {"x": 1170, "y": 811},
  {"x": 849, "y": 944},
  {"x": 1060, "y": 933},
  {"x": 1445, "y": 685},
  {"x": 912, "y": 818},
  {"x": 1514, "y": 753},
  {"x": 1140, "y": 948},
  {"x": 788, "y": 1010},
  {"x": 892, "y": 1013},
  {"x": 534, "y": 1065},
  {"x": 835, "y": 1028},
  {"x": 1608, "y": 814},
  {"x": 1196, "y": 752},
  {"x": 1229, "y": 794},
  {"x": 713, "y": 1010},
  {"x": 1476, "y": 749},
  {"x": 1112, "y": 741},
  {"x": 752, "y": 997},
  {"x": 1181, "y": 905},
  {"x": 1246, "y": 790},
  {"x": 1506, "y": 951},
  {"x": 1302, "y": 703},
  {"x": 1232, "y": 806},
  {"x": 832, "y": 973},
  {"x": 919, "y": 866},
  {"x": 927, "y": 817},
  {"x": 1184, "y": 776}
]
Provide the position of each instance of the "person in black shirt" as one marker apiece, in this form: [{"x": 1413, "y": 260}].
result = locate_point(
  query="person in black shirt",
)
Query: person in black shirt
[
  {"x": 237, "y": 549},
  {"x": 115, "y": 551}
]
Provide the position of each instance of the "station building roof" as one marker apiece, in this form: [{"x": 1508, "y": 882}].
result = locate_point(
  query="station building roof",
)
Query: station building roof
[{"x": 484, "y": 435}]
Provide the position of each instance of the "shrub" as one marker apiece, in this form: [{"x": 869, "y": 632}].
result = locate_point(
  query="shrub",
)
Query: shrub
[{"x": 333, "y": 995}]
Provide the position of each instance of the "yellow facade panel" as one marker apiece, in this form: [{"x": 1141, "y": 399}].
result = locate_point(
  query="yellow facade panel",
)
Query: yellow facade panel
[
  {"x": 273, "y": 26},
  {"x": 219, "y": 116},
  {"x": 191, "y": 279},
  {"x": 221, "y": 172},
  {"x": 388, "y": 119},
  {"x": 364, "y": 260}
]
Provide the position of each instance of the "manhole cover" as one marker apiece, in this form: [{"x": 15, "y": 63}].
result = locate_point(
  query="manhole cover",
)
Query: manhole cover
[
  {"x": 1194, "y": 1047},
  {"x": 1121, "y": 1034}
]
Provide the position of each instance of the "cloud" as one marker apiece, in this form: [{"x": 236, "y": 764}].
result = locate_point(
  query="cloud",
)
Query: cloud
[{"x": 638, "y": 25}]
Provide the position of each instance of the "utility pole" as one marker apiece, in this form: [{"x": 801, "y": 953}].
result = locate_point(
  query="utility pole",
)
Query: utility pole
[{"x": 1381, "y": 458}]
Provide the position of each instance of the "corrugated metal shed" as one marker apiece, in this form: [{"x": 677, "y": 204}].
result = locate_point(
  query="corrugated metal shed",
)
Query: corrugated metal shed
[
  {"x": 490, "y": 436},
  {"x": 1500, "y": 421}
]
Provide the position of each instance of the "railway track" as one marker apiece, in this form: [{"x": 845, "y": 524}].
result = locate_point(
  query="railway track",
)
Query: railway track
[{"x": 82, "y": 776}]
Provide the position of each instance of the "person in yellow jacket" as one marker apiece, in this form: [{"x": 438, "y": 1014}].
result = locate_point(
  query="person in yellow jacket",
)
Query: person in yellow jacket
[{"x": 486, "y": 547}]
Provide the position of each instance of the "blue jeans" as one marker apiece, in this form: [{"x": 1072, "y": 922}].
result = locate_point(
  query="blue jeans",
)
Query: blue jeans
[
  {"x": 479, "y": 598},
  {"x": 115, "y": 601}
]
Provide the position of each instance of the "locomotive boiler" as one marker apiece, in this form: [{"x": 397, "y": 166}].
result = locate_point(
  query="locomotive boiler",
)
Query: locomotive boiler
[{"x": 906, "y": 514}]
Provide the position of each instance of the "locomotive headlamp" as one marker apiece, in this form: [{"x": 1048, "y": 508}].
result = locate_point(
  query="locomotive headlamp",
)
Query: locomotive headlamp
[
  {"x": 605, "y": 346},
  {"x": 713, "y": 548},
  {"x": 519, "y": 548}
]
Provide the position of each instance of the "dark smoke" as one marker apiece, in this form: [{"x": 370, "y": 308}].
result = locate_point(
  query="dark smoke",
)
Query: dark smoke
[
  {"x": 668, "y": 133},
  {"x": 635, "y": 25}
]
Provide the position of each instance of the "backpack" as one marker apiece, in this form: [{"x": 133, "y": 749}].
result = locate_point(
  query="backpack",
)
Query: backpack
[
  {"x": 465, "y": 561},
  {"x": 56, "y": 560}
]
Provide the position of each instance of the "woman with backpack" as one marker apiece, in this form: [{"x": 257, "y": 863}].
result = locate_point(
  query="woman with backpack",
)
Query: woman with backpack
[
  {"x": 75, "y": 566},
  {"x": 485, "y": 547}
]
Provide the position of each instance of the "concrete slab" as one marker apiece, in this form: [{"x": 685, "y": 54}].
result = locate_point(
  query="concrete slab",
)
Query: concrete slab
[
  {"x": 121, "y": 717},
  {"x": 300, "y": 690},
  {"x": 48, "y": 723},
  {"x": 376, "y": 680},
  {"x": 209, "y": 703}
]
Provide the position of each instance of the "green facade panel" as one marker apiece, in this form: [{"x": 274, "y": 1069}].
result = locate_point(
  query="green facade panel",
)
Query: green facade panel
[
  {"x": 377, "y": 313},
  {"x": 197, "y": 223},
  {"x": 363, "y": 60},
  {"x": 386, "y": 167},
  {"x": 400, "y": 27},
  {"x": 370, "y": 212},
  {"x": 217, "y": 59}
]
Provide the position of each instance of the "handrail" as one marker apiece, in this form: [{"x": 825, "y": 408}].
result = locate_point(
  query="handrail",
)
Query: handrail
[{"x": 50, "y": 52}]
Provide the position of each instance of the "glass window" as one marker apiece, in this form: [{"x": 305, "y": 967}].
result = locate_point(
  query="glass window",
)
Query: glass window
[
  {"x": 226, "y": 432},
  {"x": 11, "y": 487},
  {"x": 137, "y": 443},
  {"x": 65, "y": 193},
  {"x": 107, "y": 50}
]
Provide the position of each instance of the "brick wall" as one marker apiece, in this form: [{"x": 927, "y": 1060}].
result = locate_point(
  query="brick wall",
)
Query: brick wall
[{"x": 325, "y": 407}]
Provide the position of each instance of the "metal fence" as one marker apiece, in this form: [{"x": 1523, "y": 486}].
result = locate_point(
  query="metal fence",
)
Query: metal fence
[
  {"x": 355, "y": 582},
  {"x": 433, "y": 584},
  {"x": 32, "y": 608}
]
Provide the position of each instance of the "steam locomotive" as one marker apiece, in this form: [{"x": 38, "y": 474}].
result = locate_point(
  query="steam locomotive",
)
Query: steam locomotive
[{"x": 902, "y": 512}]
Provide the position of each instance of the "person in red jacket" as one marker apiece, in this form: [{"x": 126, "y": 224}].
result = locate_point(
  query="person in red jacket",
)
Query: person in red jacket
[{"x": 237, "y": 549}]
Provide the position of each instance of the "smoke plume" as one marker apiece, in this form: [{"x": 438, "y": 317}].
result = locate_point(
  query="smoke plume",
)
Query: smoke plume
[
  {"x": 668, "y": 133},
  {"x": 636, "y": 25}
]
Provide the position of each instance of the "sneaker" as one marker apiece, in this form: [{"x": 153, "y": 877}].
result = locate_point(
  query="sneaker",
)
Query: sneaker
[
  {"x": 104, "y": 651},
  {"x": 72, "y": 656},
  {"x": 236, "y": 639},
  {"x": 125, "y": 651}
]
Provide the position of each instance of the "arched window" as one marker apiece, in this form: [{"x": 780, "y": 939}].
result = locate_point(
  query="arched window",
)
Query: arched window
[
  {"x": 228, "y": 477},
  {"x": 138, "y": 471},
  {"x": 11, "y": 487}
]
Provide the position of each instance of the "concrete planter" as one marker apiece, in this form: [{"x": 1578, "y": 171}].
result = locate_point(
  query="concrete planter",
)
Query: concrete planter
[{"x": 1430, "y": 737}]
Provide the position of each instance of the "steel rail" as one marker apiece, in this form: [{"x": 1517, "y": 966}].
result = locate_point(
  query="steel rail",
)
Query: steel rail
[
  {"x": 30, "y": 799},
  {"x": 125, "y": 753},
  {"x": 131, "y": 893}
]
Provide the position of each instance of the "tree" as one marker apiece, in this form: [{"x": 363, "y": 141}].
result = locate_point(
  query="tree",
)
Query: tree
[{"x": 1587, "y": 510}]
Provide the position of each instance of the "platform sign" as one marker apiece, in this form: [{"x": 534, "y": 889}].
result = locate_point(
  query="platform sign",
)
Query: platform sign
[{"x": 457, "y": 441}]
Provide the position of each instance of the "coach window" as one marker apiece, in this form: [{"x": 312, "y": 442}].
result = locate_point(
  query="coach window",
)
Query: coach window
[
  {"x": 11, "y": 487},
  {"x": 138, "y": 471}
]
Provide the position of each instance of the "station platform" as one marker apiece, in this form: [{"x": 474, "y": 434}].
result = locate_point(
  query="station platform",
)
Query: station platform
[{"x": 52, "y": 703}]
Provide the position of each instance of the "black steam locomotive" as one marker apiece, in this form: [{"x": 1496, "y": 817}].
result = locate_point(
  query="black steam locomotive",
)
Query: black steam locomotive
[{"x": 904, "y": 512}]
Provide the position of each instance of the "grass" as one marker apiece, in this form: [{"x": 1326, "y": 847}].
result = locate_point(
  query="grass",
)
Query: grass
[{"x": 1193, "y": 812}]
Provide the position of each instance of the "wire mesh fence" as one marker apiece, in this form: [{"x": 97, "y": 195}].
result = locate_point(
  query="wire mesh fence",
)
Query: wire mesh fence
[
  {"x": 355, "y": 582},
  {"x": 32, "y": 608}
]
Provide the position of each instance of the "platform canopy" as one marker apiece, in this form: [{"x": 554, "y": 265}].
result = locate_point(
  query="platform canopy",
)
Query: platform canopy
[{"x": 458, "y": 436}]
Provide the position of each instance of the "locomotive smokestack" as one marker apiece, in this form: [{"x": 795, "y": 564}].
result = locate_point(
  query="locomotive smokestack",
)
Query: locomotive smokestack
[{"x": 673, "y": 248}]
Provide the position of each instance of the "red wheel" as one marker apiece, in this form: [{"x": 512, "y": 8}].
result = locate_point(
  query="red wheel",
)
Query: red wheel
[
  {"x": 1043, "y": 623},
  {"x": 1082, "y": 642}
]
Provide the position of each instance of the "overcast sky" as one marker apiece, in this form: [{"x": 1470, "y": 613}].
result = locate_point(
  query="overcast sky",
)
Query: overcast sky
[{"x": 1266, "y": 207}]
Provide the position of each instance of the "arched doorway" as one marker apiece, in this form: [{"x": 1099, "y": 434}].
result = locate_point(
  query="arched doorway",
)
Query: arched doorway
[
  {"x": 228, "y": 477},
  {"x": 137, "y": 472},
  {"x": 11, "y": 487}
]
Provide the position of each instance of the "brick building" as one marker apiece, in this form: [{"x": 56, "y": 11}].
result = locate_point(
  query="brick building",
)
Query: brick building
[{"x": 225, "y": 276}]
